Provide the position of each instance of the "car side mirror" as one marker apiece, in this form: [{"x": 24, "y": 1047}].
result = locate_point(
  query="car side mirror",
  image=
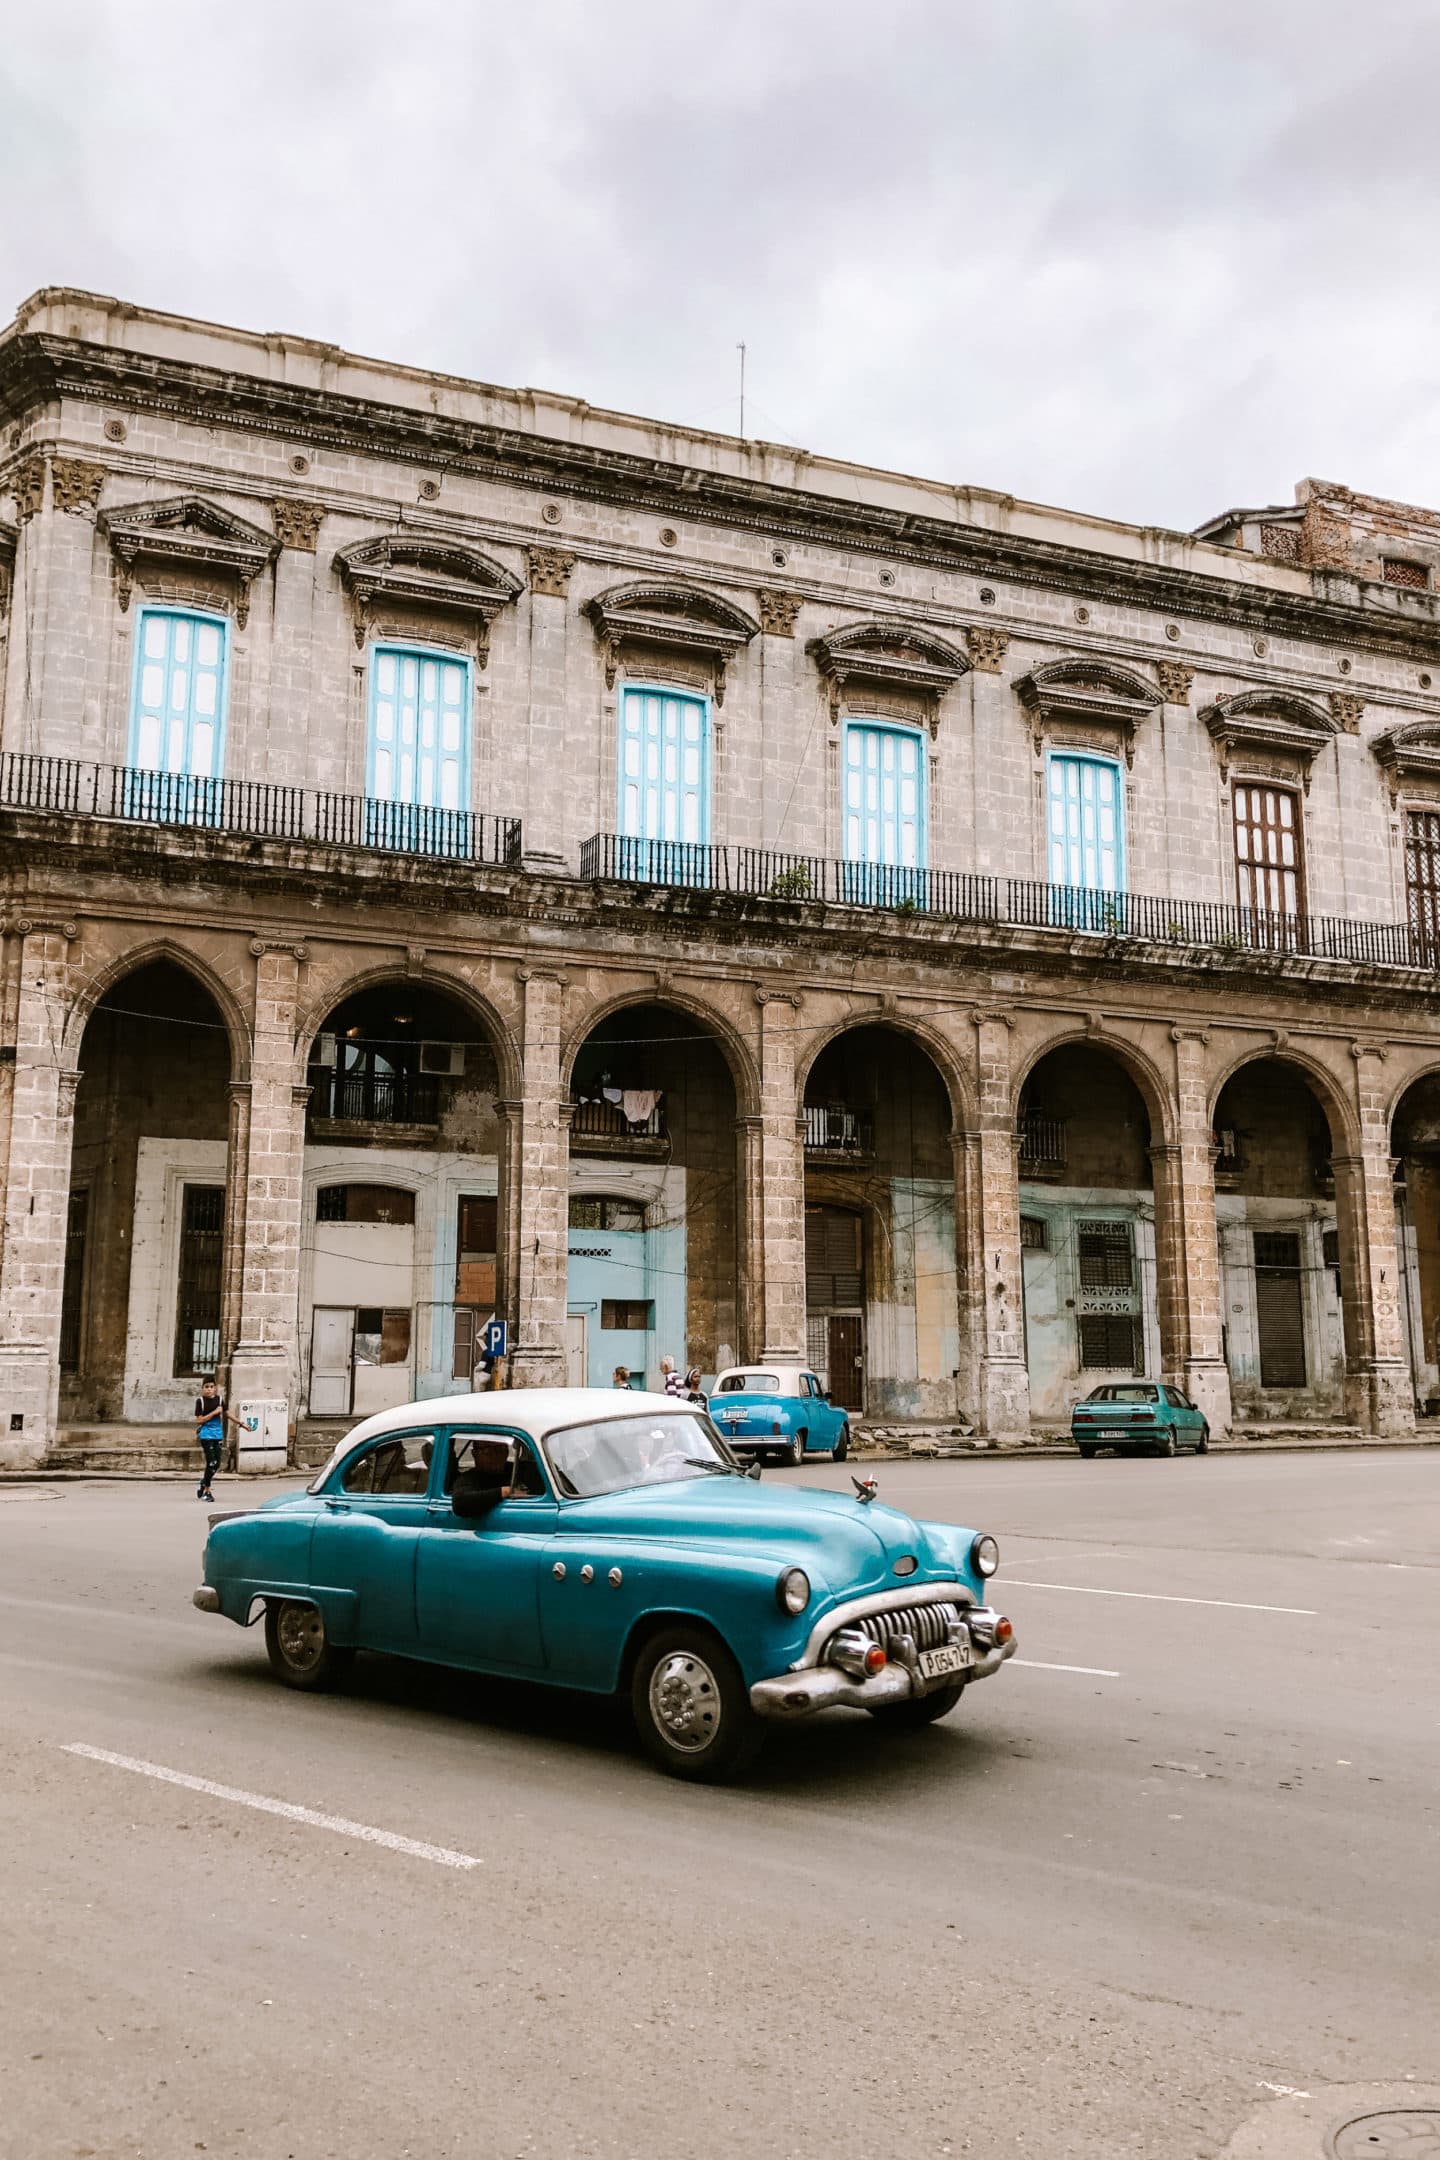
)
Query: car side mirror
[
  {"x": 753, "y": 1473},
  {"x": 473, "y": 1506}
]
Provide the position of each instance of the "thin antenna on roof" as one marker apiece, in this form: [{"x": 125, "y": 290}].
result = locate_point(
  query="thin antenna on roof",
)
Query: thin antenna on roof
[{"x": 741, "y": 350}]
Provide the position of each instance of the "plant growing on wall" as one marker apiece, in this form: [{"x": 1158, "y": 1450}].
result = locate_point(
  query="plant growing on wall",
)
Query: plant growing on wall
[{"x": 790, "y": 884}]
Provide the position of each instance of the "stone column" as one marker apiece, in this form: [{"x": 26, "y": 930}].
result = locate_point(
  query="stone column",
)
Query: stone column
[
  {"x": 557, "y": 740},
  {"x": 289, "y": 698},
  {"x": 772, "y": 1195},
  {"x": 1187, "y": 1250},
  {"x": 537, "y": 1197},
  {"x": 265, "y": 1362},
  {"x": 237, "y": 1155},
  {"x": 36, "y": 1197},
  {"x": 1379, "y": 1388},
  {"x": 969, "y": 1271},
  {"x": 1002, "y": 1397}
]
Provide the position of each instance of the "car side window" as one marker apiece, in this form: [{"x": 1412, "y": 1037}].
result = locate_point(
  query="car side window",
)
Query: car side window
[
  {"x": 492, "y": 1458},
  {"x": 397, "y": 1466},
  {"x": 814, "y": 1386},
  {"x": 1175, "y": 1399}
]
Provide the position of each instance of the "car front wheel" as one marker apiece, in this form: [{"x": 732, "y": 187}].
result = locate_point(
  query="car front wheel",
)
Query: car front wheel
[
  {"x": 919, "y": 1710},
  {"x": 1202, "y": 1445},
  {"x": 842, "y": 1446},
  {"x": 691, "y": 1707},
  {"x": 301, "y": 1652}
]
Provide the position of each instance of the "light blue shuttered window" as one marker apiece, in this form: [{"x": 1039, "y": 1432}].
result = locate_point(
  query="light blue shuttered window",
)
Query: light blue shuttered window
[
  {"x": 1085, "y": 839},
  {"x": 884, "y": 802},
  {"x": 419, "y": 744},
  {"x": 177, "y": 706},
  {"x": 664, "y": 778}
]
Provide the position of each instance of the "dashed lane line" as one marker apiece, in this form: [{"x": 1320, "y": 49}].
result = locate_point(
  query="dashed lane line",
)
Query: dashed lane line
[
  {"x": 1159, "y": 1597},
  {"x": 1091, "y": 1672},
  {"x": 440, "y": 1854}
]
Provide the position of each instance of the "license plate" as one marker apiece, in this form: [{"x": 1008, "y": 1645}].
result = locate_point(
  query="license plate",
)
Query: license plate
[
  {"x": 1113, "y": 1432},
  {"x": 934, "y": 1664}
]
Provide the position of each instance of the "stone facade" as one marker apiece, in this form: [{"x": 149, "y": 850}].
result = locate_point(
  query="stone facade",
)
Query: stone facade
[{"x": 316, "y": 506}]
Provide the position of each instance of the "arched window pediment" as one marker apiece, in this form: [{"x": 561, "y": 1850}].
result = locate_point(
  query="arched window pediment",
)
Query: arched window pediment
[
  {"x": 1411, "y": 752},
  {"x": 190, "y": 532},
  {"x": 893, "y": 656},
  {"x": 418, "y": 571},
  {"x": 1096, "y": 693},
  {"x": 668, "y": 615},
  {"x": 1270, "y": 722}
]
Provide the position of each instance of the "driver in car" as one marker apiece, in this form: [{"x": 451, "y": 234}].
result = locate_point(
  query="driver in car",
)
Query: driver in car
[{"x": 486, "y": 1474}]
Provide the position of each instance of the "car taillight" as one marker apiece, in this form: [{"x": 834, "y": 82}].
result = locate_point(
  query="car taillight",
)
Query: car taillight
[{"x": 775, "y": 1427}]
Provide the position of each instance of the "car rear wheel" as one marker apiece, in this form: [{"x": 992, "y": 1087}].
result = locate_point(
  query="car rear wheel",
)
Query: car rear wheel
[
  {"x": 842, "y": 1446},
  {"x": 1086, "y": 1450},
  {"x": 919, "y": 1710},
  {"x": 794, "y": 1454},
  {"x": 300, "y": 1651},
  {"x": 690, "y": 1706},
  {"x": 1165, "y": 1445}
]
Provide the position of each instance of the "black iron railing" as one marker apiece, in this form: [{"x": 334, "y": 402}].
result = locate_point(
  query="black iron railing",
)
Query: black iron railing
[
  {"x": 1042, "y": 1143},
  {"x": 605, "y": 1120},
  {"x": 254, "y": 807},
  {"x": 373, "y": 1098},
  {"x": 963, "y": 896},
  {"x": 836, "y": 1131}
]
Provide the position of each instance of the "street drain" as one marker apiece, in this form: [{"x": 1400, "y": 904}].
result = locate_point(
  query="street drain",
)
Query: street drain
[{"x": 1392, "y": 2134}]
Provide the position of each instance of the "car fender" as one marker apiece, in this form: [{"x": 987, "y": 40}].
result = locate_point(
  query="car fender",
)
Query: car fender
[{"x": 590, "y": 1626}]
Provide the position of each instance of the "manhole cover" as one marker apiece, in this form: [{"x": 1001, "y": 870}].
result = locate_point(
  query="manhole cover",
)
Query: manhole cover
[{"x": 1393, "y": 2134}]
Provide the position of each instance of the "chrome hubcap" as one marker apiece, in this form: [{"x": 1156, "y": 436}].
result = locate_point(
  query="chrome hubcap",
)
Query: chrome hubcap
[
  {"x": 685, "y": 1701},
  {"x": 302, "y": 1636}
]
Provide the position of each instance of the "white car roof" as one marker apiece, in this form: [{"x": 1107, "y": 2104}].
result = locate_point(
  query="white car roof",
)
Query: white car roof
[
  {"x": 536, "y": 1411},
  {"x": 787, "y": 1375}
]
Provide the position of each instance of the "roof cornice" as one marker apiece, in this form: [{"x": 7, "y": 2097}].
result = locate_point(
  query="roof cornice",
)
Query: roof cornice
[{"x": 37, "y": 368}]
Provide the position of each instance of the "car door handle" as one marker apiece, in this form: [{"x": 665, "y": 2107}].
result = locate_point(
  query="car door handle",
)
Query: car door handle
[{"x": 338, "y": 1507}]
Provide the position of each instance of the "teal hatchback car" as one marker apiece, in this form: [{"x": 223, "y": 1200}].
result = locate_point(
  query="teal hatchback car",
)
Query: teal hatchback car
[
  {"x": 610, "y": 1542},
  {"x": 1138, "y": 1417}
]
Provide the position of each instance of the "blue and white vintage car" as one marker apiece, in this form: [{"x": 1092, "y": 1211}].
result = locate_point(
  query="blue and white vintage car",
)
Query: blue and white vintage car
[
  {"x": 780, "y": 1412},
  {"x": 610, "y": 1542}
]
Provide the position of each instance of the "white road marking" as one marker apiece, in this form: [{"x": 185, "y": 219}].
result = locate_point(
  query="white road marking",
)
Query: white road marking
[
  {"x": 1160, "y": 1597},
  {"x": 1091, "y": 1672},
  {"x": 441, "y": 1854}
]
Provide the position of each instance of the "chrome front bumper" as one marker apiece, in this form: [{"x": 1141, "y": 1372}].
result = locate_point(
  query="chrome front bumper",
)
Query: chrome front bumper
[{"x": 810, "y": 1688}]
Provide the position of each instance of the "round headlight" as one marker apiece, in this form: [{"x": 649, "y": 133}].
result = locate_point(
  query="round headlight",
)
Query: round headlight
[
  {"x": 793, "y": 1590},
  {"x": 984, "y": 1554}
]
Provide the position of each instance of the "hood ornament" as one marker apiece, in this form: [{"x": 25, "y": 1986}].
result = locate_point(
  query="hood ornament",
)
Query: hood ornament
[{"x": 866, "y": 1489}]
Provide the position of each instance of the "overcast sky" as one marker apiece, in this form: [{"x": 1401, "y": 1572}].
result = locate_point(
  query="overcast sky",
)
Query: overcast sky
[{"x": 1147, "y": 258}]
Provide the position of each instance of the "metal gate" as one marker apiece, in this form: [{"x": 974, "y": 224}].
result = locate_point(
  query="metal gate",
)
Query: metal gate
[{"x": 1279, "y": 1310}]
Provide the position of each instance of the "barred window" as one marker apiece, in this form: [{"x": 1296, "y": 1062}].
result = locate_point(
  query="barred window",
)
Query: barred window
[
  {"x": 630, "y": 1315},
  {"x": 1107, "y": 1255},
  {"x": 1412, "y": 575},
  {"x": 1034, "y": 1234},
  {"x": 1110, "y": 1342}
]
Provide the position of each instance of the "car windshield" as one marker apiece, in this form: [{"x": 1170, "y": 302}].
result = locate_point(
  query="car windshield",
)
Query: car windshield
[
  {"x": 661, "y": 1448},
  {"x": 749, "y": 1383},
  {"x": 1117, "y": 1393}
]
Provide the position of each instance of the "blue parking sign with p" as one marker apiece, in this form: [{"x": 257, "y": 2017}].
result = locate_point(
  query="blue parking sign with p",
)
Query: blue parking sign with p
[{"x": 497, "y": 1338}]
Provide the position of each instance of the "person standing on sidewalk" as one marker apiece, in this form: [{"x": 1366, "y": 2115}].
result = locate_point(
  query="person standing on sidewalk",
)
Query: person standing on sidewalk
[
  {"x": 211, "y": 1418},
  {"x": 671, "y": 1380}
]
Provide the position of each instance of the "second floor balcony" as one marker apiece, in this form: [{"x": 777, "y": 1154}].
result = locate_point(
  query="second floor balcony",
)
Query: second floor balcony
[
  {"x": 257, "y": 809},
  {"x": 620, "y": 1122},
  {"x": 834, "y": 1133}
]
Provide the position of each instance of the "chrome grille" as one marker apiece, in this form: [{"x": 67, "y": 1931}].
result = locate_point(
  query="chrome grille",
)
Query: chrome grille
[{"x": 928, "y": 1625}]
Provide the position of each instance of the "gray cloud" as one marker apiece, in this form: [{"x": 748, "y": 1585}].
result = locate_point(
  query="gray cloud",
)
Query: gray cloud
[{"x": 1140, "y": 260}]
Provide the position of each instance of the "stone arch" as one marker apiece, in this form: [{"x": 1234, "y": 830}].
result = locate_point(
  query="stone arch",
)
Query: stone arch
[
  {"x": 937, "y": 1047},
  {"x": 738, "y": 1055},
  {"x": 1412, "y": 1078},
  {"x": 96, "y": 987},
  {"x": 1340, "y": 1115},
  {"x": 337, "y": 989},
  {"x": 1156, "y": 1090}
]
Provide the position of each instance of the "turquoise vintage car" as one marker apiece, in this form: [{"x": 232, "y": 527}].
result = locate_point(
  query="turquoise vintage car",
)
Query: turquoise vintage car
[
  {"x": 610, "y": 1542},
  {"x": 1138, "y": 1417},
  {"x": 780, "y": 1412}
]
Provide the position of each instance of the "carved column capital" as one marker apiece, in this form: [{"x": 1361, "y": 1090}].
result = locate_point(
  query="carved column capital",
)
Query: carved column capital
[
  {"x": 77, "y": 484},
  {"x": 27, "y": 485},
  {"x": 778, "y": 612},
  {"x": 550, "y": 569},
  {"x": 1347, "y": 709},
  {"x": 987, "y": 646},
  {"x": 297, "y": 524},
  {"x": 1175, "y": 680}
]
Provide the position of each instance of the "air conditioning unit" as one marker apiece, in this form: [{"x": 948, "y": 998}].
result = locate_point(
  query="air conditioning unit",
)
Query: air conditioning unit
[
  {"x": 445, "y": 1059},
  {"x": 327, "y": 1051}
]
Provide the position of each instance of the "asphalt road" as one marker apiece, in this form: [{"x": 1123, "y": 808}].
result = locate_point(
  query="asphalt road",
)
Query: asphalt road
[{"x": 1097, "y": 1912}]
